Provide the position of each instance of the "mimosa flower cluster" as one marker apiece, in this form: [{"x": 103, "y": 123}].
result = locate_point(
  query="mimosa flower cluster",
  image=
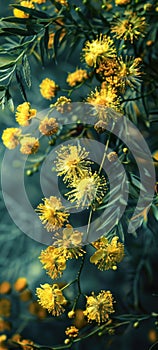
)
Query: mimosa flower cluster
[
  {"x": 88, "y": 188},
  {"x": 107, "y": 76}
]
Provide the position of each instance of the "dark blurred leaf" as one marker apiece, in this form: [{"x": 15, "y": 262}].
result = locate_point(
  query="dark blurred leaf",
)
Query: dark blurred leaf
[
  {"x": 56, "y": 41},
  {"x": 18, "y": 31},
  {"x": 46, "y": 39},
  {"x": 136, "y": 182},
  {"x": 73, "y": 46},
  {"x": 57, "y": 5},
  {"x": 13, "y": 19},
  {"x": 27, "y": 21},
  {"x": 84, "y": 19},
  {"x": 42, "y": 49}
]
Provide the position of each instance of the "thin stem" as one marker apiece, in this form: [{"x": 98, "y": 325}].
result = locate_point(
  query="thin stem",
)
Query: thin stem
[
  {"x": 22, "y": 326},
  {"x": 103, "y": 328},
  {"x": 106, "y": 148},
  {"x": 68, "y": 284},
  {"x": 79, "y": 274},
  {"x": 89, "y": 223},
  {"x": 78, "y": 282}
]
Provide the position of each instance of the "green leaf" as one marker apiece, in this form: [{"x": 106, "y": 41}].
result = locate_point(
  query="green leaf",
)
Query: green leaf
[
  {"x": 110, "y": 218},
  {"x": 136, "y": 182},
  {"x": 7, "y": 74},
  {"x": 18, "y": 31},
  {"x": 155, "y": 211},
  {"x": 121, "y": 232},
  {"x": 10, "y": 105},
  {"x": 9, "y": 101},
  {"x": 6, "y": 66},
  {"x": 2, "y": 102},
  {"x": 21, "y": 85},
  {"x": 26, "y": 70},
  {"x": 28, "y": 21},
  {"x": 13, "y": 19},
  {"x": 13, "y": 47}
]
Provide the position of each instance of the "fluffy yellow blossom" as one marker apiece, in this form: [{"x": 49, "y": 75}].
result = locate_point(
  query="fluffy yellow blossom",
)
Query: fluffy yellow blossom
[
  {"x": 63, "y": 104},
  {"x": 119, "y": 73},
  {"x": 62, "y": 2},
  {"x": 52, "y": 213},
  {"x": 99, "y": 307},
  {"x": 22, "y": 14},
  {"x": 29, "y": 145},
  {"x": 24, "y": 113},
  {"x": 65, "y": 247},
  {"x": 89, "y": 189},
  {"x": 122, "y": 2},
  {"x": 71, "y": 162},
  {"x": 77, "y": 77},
  {"x": 99, "y": 48},
  {"x": 129, "y": 28},
  {"x": 72, "y": 332},
  {"x": 48, "y": 126},
  {"x": 24, "y": 343},
  {"x": 48, "y": 88},
  {"x": 11, "y": 137},
  {"x": 39, "y": 1},
  {"x": 70, "y": 237},
  {"x": 106, "y": 97},
  {"x": 54, "y": 261},
  {"x": 107, "y": 67},
  {"x": 108, "y": 71},
  {"x": 107, "y": 254},
  {"x": 69, "y": 240},
  {"x": 51, "y": 298}
]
